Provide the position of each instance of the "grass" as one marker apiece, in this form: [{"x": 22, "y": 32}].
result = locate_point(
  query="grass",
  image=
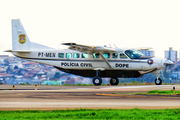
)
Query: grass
[
  {"x": 102, "y": 114},
  {"x": 155, "y": 92},
  {"x": 163, "y": 92}
]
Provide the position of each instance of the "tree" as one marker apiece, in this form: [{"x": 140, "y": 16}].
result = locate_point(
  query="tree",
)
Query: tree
[
  {"x": 20, "y": 72},
  {"x": 9, "y": 70},
  {"x": 16, "y": 67},
  {"x": 57, "y": 75},
  {"x": 6, "y": 62}
]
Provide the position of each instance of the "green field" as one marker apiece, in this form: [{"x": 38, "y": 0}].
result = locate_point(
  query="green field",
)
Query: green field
[
  {"x": 155, "y": 92},
  {"x": 163, "y": 92},
  {"x": 102, "y": 114}
]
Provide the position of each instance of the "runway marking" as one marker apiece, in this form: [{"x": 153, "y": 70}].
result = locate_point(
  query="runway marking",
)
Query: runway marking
[{"x": 127, "y": 87}]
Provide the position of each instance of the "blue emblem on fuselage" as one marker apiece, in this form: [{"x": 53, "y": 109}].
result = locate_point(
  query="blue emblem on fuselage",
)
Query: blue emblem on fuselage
[{"x": 150, "y": 61}]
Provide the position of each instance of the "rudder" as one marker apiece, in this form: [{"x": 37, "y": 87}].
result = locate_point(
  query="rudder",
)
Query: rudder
[{"x": 20, "y": 40}]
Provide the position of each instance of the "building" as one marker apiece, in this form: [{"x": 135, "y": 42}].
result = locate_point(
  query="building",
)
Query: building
[
  {"x": 171, "y": 54},
  {"x": 147, "y": 52},
  {"x": 4, "y": 56}
]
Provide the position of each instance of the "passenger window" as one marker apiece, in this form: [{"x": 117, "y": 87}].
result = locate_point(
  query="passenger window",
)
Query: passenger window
[
  {"x": 122, "y": 56},
  {"x": 95, "y": 55},
  {"x": 114, "y": 55},
  {"x": 84, "y": 55},
  {"x": 68, "y": 55},
  {"x": 76, "y": 55},
  {"x": 106, "y": 55},
  {"x": 61, "y": 55}
]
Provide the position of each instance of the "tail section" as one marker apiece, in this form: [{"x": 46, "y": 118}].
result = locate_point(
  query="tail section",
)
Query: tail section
[{"x": 20, "y": 40}]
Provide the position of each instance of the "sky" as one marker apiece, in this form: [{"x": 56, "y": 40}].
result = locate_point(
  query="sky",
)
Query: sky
[{"x": 125, "y": 23}]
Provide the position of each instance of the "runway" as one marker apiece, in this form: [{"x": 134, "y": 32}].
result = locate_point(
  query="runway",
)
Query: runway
[{"x": 90, "y": 97}]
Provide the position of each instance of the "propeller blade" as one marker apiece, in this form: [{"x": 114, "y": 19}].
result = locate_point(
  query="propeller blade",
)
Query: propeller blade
[{"x": 168, "y": 62}]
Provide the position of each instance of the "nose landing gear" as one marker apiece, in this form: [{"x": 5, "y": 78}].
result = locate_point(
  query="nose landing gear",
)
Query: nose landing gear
[{"x": 158, "y": 81}]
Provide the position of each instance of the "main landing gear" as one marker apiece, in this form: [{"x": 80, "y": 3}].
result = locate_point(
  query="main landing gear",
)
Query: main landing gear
[
  {"x": 97, "y": 81},
  {"x": 114, "y": 81}
]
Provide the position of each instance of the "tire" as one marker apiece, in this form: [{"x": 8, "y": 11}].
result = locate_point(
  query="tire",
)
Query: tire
[
  {"x": 114, "y": 81},
  {"x": 158, "y": 81},
  {"x": 97, "y": 81}
]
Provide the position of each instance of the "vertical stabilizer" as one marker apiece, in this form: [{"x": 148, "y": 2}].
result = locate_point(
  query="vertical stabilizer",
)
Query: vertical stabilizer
[{"x": 20, "y": 40}]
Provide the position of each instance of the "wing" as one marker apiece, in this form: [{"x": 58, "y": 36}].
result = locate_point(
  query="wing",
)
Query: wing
[
  {"x": 88, "y": 48},
  {"x": 143, "y": 48},
  {"x": 91, "y": 49}
]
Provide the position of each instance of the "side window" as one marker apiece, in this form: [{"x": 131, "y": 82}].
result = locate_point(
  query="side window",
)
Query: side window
[
  {"x": 95, "y": 55},
  {"x": 61, "y": 55},
  {"x": 123, "y": 56},
  {"x": 76, "y": 55},
  {"x": 114, "y": 55},
  {"x": 106, "y": 55},
  {"x": 84, "y": 55},
  {"x": 68, "y": 55}
]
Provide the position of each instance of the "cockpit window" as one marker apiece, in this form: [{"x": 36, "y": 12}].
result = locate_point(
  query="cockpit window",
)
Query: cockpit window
[
  {"x": 123, "y": 56},
  {"x": 133, "y": 54}
]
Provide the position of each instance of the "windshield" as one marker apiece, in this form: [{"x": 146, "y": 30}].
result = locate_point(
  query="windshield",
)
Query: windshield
[{"x": 133, "y": 54}]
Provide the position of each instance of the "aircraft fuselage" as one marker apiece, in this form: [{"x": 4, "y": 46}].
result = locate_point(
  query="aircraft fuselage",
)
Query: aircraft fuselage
[{"x": 75, "y": 63}]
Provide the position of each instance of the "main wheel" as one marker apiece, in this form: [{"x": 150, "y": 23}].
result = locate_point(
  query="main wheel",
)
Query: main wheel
[
  {"x": 158, "y": 81},
  {"x": 114, "y": 81},
  {"x": 97, "y": 81}
]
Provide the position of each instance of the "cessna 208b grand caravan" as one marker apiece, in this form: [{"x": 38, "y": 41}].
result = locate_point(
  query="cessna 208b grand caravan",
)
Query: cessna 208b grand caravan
[{"x": 86, "y": 60}]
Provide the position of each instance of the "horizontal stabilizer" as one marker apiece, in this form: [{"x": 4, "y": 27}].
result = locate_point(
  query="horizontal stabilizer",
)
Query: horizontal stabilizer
[{"x": 22, "y": 51}]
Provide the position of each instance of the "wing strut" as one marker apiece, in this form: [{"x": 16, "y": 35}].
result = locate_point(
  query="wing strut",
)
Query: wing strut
[{"x": 105, "y": 59}]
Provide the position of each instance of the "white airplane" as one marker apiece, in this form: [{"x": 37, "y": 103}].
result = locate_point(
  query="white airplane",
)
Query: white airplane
[{"x": 86, "y": 60}]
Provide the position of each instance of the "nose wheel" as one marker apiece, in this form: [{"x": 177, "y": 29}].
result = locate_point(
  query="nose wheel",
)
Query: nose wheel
[{"x": 158, "y": 81}]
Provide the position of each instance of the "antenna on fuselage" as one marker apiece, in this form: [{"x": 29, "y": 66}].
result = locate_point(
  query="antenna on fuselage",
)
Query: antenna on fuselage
[
  {"x": 110, "y": 45},
  {"x": 115, "y": 46}
]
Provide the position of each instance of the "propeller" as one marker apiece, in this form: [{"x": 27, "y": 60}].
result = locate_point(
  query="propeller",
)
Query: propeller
[{"x": 166, "y": 63}]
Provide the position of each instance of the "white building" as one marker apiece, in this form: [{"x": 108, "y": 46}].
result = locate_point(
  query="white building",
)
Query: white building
[{"x": 171, "y": 55}]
